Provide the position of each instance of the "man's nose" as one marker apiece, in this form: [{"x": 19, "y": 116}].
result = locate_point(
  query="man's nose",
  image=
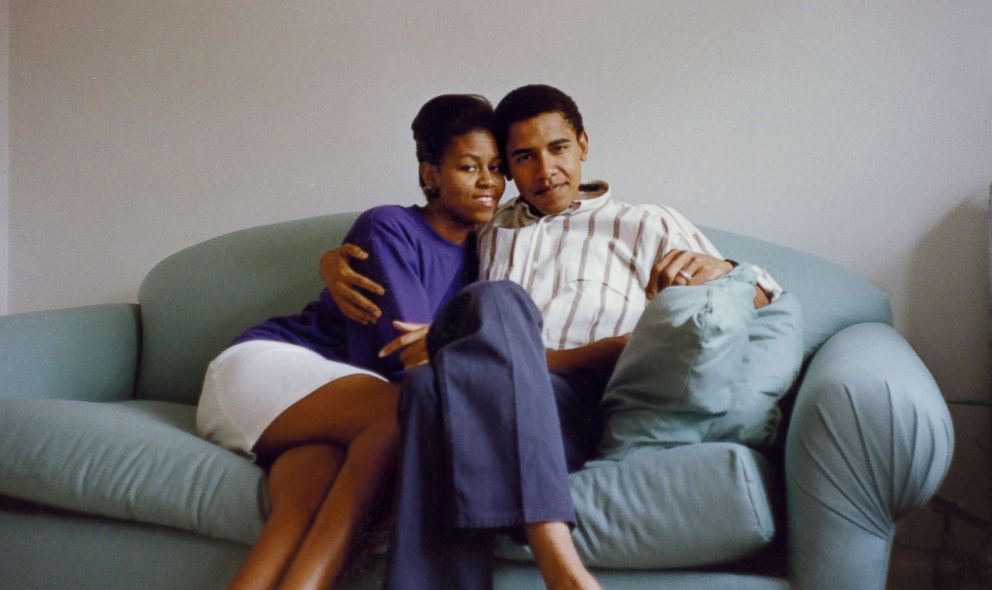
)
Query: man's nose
[{"x": 546, "y": 164}]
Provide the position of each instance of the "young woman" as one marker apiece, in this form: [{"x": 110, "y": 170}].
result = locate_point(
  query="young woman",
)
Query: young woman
[{"x": 313, "y": 396}]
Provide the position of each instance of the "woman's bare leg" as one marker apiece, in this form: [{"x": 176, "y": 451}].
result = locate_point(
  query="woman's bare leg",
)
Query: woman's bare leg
[
  {"x": 369, "y": 465},
  {"x": 557, "y": 558},
  {"x": 298, "y": 482},
  {"x": 358, "y": 413}
]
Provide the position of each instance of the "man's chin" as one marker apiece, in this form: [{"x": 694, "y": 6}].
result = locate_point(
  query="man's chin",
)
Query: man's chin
[{"x": 548, "y": 205}]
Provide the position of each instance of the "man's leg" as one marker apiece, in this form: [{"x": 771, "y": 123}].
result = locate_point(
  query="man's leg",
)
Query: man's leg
[
  {"x": 425, "y": 553},
  {"x": 577, "y": 397},
  {"x": 507, "y": 460},
  {"x": 487, "y": 408}
]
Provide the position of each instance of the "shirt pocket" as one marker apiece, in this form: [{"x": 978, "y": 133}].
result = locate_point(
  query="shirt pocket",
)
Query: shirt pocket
[
  {"x": 594, "y": 283},
  {"x": 597, "y": 305}
]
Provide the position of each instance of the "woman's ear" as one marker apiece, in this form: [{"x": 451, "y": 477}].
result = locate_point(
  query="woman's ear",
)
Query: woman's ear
[{"x": 429, "y": 175}]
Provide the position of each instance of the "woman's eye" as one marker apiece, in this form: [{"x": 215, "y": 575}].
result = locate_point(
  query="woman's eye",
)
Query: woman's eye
[{"x": 470, "y": 168}]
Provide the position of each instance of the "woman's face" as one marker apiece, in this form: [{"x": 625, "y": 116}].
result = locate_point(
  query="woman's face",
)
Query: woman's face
[{"x": 468, "y": 180}]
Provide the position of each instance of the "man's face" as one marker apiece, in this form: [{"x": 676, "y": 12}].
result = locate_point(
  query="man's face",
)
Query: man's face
[{"x": 545, "y": 160}]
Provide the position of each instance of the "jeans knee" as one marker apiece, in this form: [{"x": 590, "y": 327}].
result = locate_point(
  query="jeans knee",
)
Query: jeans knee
[
  {"x": 477, "y": 306},
  {"x": 500, "y": 293}
]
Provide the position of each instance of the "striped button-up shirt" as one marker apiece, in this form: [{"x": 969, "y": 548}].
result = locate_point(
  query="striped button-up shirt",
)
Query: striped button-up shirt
[{"x": 587, "y": 267}]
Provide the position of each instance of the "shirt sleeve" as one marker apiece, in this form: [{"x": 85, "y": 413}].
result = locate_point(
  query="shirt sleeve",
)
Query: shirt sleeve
[
  {"x": 394, "y": 263},
  {"x": 682, "y": 234}
]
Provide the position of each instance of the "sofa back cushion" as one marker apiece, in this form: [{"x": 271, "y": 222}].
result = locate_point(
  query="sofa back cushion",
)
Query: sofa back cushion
[
  {"x": 196, "y": 301},
  {"x": 832, "y": 297}
]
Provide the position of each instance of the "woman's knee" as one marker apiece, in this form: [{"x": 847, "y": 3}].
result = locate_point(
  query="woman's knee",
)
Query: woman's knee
[
  {"x": 387, "y": 436},
  {"x": 301, "y": 476}
]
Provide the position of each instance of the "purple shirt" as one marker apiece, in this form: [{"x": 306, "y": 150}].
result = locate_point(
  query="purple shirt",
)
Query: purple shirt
[{"x": 420, "y": 271}]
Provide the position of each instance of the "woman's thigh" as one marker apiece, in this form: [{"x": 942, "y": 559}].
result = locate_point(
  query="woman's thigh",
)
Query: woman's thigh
[{"x": 335, "y": 413}]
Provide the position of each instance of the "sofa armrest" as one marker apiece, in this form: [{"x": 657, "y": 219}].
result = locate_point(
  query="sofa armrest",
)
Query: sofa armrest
[
  {"x": 870, "y": 440},
  {"x": 84, "y": 353}
]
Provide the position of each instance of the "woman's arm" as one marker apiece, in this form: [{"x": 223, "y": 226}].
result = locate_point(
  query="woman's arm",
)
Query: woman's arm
[
  {"x": 412, "y": 345},
  {"x": 393, "y": 264}
]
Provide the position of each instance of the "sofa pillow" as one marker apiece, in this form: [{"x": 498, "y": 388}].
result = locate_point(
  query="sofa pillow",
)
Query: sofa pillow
[
  {"x": 678, "y": 368},
  {"x": 703, "y": 365},
  {"x": 688, "y": 506},
  {"x": 133, "y": 460}
]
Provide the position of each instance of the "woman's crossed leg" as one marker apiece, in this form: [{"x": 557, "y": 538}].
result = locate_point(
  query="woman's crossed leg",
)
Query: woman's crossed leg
[{"x": 333, "y": 455}]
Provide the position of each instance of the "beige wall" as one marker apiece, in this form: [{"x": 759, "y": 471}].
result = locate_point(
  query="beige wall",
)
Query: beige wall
[
  {"x": 4, "y": 150},
  {"x": 857, "y": 131}
]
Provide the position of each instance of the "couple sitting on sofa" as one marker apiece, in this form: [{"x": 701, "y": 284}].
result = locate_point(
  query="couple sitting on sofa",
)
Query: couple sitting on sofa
[{"x": 521, "y": 378}]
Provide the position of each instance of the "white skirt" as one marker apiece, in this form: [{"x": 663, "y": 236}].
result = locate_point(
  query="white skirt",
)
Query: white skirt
[{"x": 250, "y": 384}]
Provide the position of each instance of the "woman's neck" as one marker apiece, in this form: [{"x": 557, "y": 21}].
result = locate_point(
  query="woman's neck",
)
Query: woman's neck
[{"x": 447, "y": 227}]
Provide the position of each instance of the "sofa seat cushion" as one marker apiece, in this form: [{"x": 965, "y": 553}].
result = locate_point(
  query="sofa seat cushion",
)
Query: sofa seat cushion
[
  {"x": 133, "y": 460},
  {"x": 688, "y": 506}
]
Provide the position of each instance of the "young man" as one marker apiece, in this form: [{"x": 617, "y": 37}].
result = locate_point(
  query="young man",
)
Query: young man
[{"x": 509, "y": 406}]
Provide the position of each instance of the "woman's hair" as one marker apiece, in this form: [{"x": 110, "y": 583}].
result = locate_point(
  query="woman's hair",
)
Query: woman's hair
[{"x": 441, "y": 120}]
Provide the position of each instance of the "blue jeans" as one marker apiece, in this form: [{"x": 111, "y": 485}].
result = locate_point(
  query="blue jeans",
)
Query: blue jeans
[{"x": 488, "y": 439}]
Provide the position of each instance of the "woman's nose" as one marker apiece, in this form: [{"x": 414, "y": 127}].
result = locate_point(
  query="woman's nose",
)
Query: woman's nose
[{"x": 487, "y": 177}]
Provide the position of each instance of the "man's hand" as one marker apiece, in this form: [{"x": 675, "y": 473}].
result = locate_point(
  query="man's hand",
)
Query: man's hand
[
  {"x": 342, "y": 283},
  {"x": 413, "y": 344},
  {"x": 682, "y": 268},
  {"x": 601, "y": 354}
]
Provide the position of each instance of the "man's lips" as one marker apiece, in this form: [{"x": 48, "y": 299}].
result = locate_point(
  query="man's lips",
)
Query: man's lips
[{"x": 550, "y": 189}]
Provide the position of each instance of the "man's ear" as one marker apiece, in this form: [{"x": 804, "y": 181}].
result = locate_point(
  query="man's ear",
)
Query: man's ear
[
  {"x": 584, "y": 146},
  {"x": 429, "y": 175}
]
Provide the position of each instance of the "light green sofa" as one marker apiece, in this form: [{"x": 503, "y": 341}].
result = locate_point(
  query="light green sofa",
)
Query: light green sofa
[{"x": 103, "y": 483}]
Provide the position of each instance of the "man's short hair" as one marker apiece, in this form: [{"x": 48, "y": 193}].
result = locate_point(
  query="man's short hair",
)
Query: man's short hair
[{"x": 530, "y": 101}]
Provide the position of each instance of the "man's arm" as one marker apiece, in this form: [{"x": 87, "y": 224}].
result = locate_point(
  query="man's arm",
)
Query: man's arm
[
  {"x": 699, "y": 268},
  {"x": 343, "y": 283},
  {"x": 687, "y": 257},
  {"x": 601, "y": 354}
]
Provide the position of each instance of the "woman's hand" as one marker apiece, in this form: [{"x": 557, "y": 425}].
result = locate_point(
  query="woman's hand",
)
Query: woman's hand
[
  {"x": 342, "y": 284},
  {"x": 413, "y": 344}
]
